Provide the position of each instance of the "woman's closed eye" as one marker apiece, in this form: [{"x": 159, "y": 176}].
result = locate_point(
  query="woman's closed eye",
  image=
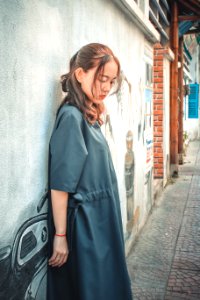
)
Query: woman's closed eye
[{"x": 104, "y": 79}]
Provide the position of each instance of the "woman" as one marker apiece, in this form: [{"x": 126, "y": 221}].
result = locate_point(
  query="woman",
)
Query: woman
[{"x": 87, "y": 259}]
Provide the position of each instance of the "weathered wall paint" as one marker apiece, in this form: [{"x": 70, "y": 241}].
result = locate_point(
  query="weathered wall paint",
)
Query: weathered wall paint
[{"x": 37, "y": 38}]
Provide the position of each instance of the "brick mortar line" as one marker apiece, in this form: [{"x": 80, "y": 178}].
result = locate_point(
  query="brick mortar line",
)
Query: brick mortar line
[
  {"x": 183, "y": 269},
  {"x": 190, "y": 187}
]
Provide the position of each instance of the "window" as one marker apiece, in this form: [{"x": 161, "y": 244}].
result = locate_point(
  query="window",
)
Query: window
[
  {"x": 193, "y": 102},
  {"x": 148, "y": 75}
]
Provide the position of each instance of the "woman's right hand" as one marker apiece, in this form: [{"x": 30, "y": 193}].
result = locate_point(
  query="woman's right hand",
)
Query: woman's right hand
[{"x": 60, "y": 251}]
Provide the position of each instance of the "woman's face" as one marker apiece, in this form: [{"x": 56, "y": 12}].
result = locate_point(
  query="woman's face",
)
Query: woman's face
[{"x": 99, "y": 90}]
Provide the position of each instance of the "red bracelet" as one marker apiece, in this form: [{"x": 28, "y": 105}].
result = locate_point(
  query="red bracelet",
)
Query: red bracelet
[{"x": 57, "y": 234}]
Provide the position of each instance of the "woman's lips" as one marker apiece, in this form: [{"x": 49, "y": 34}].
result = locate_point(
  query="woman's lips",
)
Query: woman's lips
[{"x": 101, "y": 97}]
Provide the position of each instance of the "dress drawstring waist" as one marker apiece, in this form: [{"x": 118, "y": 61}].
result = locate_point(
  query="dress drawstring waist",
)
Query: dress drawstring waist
[{"x": 75, "y": 202}]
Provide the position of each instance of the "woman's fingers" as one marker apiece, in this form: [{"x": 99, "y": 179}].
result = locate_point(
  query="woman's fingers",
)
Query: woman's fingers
[
  {"x": 58, "y": 260},
  {"x": 60, "y": 252},
  {"x": 53, "y": 258},
  {"x": 62, "y": 261}
]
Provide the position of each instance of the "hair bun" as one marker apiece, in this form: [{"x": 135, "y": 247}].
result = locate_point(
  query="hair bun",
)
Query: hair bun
[{"x": 63, "y": 80}]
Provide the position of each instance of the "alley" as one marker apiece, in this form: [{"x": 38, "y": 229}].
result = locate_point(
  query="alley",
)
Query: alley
[{"x": 165, "y": 260}]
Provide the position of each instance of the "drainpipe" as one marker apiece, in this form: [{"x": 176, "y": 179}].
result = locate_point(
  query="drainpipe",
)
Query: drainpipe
[
  {"x": 174, "y": 94},
  {"x": 181, "y": 109}
]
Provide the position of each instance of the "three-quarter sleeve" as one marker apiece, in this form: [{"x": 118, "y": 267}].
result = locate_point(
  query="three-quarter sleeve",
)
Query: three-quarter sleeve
[{"x": 68, "y": 153}]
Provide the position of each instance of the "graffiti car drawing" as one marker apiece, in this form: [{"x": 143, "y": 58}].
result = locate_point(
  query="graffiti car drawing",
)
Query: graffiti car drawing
[{"x": 23, "y": 264}]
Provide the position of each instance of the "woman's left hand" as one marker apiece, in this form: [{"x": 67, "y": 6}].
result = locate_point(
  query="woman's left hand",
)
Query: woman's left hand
[{"x": 60, "y": 252}]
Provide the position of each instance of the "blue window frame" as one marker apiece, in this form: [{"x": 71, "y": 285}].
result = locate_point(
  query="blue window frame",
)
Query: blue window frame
[{"x": 193, "y": 102}]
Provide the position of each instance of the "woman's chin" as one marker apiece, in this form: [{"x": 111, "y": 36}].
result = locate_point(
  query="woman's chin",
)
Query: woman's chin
[{"x": 98, "y": 101}]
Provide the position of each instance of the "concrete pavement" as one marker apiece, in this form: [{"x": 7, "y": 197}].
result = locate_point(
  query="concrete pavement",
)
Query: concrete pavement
[{"x": 164, "y": 263}]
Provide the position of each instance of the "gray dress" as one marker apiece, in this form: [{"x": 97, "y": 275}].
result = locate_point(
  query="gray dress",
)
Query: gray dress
[{"x": 80, "y": 163}]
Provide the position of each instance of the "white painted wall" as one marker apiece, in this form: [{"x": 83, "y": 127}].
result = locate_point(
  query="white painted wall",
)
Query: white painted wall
[{"x": 37, "y": 39}]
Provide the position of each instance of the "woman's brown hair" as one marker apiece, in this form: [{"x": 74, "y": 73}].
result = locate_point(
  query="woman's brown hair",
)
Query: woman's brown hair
[{"x": 88, "y": 57}]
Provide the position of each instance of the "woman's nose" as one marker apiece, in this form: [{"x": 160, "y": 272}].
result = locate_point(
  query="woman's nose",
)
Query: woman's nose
[{"x": 107, "y": 87}]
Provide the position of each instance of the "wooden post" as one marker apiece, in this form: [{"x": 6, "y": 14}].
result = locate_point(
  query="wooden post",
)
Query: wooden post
[
  {"x": 174, "y": 93},
  {"x": 181, "y": 95}
]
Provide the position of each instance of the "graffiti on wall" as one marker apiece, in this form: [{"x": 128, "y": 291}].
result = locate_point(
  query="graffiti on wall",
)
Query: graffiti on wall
[
  {"x": 23, "y": 262},
  {"x": 129, "y": 180},
  {"x": 148, "y": 137},
  {"x": 118, "y": 129},
  {"x": 148, "y": 132}
]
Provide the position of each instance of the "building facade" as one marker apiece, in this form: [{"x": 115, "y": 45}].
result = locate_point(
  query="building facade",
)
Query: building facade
[{"x": 37, "y": 40}]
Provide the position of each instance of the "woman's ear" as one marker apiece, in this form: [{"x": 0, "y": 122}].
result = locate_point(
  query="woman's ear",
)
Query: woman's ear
[{"x": 79, "y": 73}]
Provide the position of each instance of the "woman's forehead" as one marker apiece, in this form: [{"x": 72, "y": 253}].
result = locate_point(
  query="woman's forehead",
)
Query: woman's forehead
[{"x": 110, "y": 69}]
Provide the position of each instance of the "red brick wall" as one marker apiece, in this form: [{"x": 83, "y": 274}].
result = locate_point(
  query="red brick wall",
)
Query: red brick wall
[{"x": 158, "y": 110}]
